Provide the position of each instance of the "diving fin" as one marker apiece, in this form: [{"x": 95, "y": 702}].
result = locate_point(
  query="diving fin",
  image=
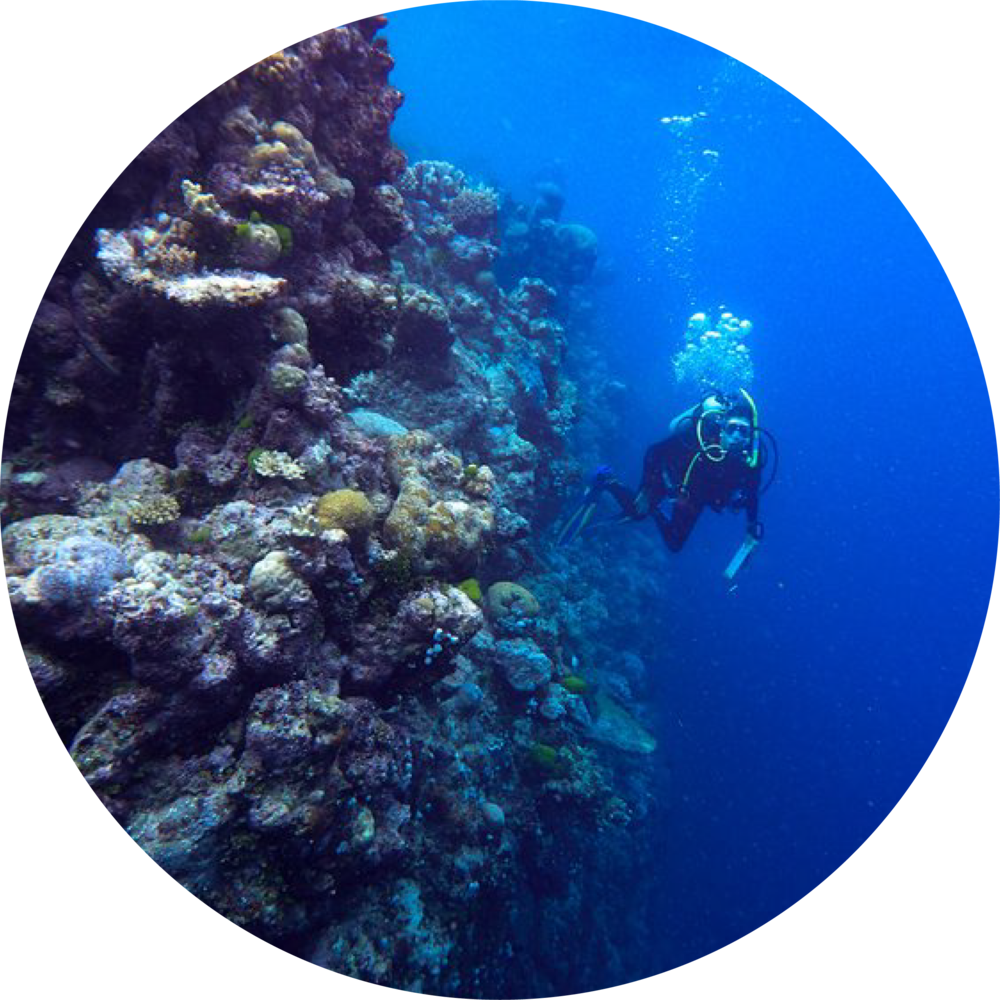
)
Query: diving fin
[
  {"x": 579, "y": 519},
  {"x": 742, "y": 555}
]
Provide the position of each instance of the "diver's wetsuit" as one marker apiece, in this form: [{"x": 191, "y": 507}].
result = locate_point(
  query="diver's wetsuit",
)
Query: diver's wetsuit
[{"x": 716, "y": 484}]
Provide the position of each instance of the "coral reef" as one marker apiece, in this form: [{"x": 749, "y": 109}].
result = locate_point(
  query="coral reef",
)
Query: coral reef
[
  {"x": 286, "y": 440},
  {"x": 537, "y": 244},
  {"x": 274, "y": 192}
]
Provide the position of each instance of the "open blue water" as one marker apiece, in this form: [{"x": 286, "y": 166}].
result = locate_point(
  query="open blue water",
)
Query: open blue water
[{"x": 798, "y": 708}]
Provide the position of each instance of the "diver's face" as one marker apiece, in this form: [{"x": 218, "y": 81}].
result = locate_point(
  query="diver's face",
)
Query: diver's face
[{"x": 736, "y": 434}]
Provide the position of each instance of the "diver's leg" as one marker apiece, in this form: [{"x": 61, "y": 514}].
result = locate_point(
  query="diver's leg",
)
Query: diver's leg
[
  {"x": 624, "y": 497},
  {"x": 602, "y": 481},
  {"x": 674, "y": 530}
]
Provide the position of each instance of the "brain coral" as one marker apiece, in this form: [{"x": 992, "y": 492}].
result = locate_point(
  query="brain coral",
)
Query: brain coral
[{"x": 506, "y": 598}]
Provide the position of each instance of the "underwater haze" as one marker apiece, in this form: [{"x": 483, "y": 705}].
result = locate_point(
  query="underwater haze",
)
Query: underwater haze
[
  {"x": 797, "y": 709},
  {"x": 345, "y": 481}
]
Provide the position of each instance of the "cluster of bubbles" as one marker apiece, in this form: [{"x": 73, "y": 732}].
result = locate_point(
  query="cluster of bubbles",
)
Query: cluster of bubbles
[
  {"x": 693, "y": 157},
  {"x": 687, "y": 170},
  {"x": 714, "y": 355}
]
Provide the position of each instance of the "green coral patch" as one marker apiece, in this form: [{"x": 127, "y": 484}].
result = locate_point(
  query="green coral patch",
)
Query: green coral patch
[
  {"x": 546, "y": 758},
  {"x": 573, "y": 683},
  {"x": 471, "y": 589}
]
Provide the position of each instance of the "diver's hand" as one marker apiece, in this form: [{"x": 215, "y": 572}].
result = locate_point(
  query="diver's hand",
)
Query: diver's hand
[
  {"x": 755, "y": 529},
  {"x": 740, "y": 499},
  {"x": 640, "y": 504}
]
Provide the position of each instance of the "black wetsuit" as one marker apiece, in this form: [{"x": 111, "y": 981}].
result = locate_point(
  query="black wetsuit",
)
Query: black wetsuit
[{"x": 729, "y": 483}]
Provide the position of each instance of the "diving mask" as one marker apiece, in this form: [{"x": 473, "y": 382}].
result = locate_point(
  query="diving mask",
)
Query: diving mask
[{"x": 736, "y": 433}]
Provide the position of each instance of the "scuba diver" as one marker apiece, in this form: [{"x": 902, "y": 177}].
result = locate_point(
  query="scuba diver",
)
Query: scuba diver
[{"x": 713, "y": 456}]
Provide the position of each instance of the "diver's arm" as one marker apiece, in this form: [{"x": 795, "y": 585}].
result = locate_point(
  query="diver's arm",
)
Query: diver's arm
[{"x": 754, "y": 526}]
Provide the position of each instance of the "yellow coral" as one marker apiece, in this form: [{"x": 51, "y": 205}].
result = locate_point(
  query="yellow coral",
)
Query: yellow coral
[
  {"x": 275, "y": 464},
  {"x": 155, "y": 510},
  {"x": 350, "y": 510},
  {"x": 299, "y": 147},
  {"x": 277, "y": 69},
  {"x": 267, "y": 153},
  {"x": 200, "y": 202},
  {"x": 429, "y": 520}
]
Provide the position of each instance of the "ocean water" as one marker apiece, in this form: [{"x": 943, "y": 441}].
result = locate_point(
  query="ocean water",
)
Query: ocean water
[
  {"x": 791, "y": 709},
  {"x": 797, "y": 708}
]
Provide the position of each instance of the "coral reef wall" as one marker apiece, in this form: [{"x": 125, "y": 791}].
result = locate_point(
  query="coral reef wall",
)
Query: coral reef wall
[{"x": 279, "y": 472}]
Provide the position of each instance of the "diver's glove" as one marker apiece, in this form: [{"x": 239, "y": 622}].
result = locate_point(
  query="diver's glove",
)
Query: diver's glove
[
  {"x": 740, "y": 499},
  {"x": 602, "y": 475},
  {"x": 755, "y": 529}
]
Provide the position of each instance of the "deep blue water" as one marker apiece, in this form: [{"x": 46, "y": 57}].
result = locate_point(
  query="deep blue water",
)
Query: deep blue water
[{"x": 799, "y": 708}]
